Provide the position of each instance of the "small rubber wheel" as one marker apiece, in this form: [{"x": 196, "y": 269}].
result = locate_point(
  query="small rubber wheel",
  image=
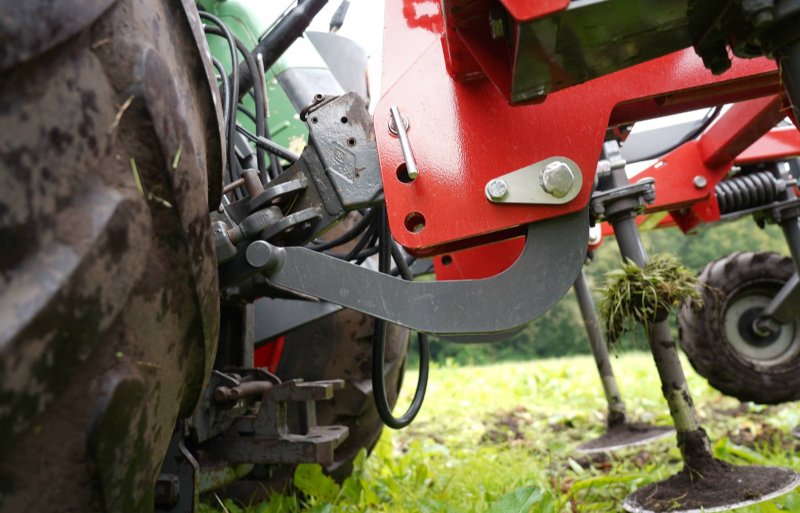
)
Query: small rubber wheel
[{"x": 720, "y": 340}]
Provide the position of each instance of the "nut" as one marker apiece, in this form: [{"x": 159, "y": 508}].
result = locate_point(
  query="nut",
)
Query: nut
[{"x": 557, "y": 179}]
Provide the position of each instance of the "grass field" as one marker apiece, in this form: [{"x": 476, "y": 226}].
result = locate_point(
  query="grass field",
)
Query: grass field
[{"x": 486, "y": 432}]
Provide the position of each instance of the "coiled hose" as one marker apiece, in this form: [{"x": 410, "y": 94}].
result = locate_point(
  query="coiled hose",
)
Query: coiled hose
[{"x": 388, "y": 250}]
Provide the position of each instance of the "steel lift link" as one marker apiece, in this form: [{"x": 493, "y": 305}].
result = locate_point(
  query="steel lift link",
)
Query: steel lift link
[{"x": 620, "y": 203}]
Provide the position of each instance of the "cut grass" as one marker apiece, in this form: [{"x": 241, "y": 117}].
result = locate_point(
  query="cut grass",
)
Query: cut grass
[
  {"x": 636, "y": 296},
  {"x": 445, "y": 462}
]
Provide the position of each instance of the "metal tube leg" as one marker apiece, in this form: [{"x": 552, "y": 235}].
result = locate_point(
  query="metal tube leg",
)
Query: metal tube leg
[
  {"x": 616, "y": 408},
  {"x": 791, "y": 231},
  {"x": 691, "y": 439}
]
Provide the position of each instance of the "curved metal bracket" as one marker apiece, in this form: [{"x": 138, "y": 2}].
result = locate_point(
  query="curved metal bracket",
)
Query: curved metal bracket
[{"x": 554, "y": 252}]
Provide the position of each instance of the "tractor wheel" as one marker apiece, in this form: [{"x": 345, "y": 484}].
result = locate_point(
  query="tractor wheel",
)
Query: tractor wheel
[
  {"x": 340, "y": 347},
  {"x": 719, "y": 339},
  {"x": 108, "y": 291}
]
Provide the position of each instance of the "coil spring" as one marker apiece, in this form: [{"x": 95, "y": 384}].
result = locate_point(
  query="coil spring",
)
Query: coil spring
[{"x": 748, "y": 191}]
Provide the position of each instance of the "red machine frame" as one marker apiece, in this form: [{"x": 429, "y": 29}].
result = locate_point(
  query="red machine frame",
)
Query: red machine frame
[
  {"x": 744, "y": 134},
  {"x": 463, "y": 131}
]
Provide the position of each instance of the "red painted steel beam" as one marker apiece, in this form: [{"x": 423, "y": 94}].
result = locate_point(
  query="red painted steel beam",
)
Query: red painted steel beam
[
  {"x": 711, "y": 155},
  {"x": 739, "y": 128},
  {"x": 464, "y": 133},
  {"x": 678, "y": 201},
  {"x": 777, "y": 144}
]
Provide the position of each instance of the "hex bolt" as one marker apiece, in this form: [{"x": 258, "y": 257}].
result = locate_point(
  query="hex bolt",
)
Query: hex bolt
[
  {"x": 557, "y": 179},
  {"x": 496, "y": 189},
  {"x": 700, "y": 181}
]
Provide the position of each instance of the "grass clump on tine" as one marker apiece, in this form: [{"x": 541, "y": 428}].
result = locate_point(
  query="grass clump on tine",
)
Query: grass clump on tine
[{"x": 634, "y": 295}]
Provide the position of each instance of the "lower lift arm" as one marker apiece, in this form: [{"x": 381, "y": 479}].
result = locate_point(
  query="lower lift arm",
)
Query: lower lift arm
[{"x": 554, "y": 252}]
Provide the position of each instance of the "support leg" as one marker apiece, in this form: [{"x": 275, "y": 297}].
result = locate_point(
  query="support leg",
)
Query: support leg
[
  {"x": 705, "y": 483},
  {"x": 616, "y": 408},
  {"x": 620, "y": 433}
]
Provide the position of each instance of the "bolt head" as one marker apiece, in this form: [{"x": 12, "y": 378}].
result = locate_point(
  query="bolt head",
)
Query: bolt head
[
  {"x": 700, "y": 181},
  {"x": 497, "y": 189},
  {"x": 557, "y": 179}
]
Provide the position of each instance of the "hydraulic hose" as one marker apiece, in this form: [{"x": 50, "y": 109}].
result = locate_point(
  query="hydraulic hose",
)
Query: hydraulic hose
[
  {"x": 258, "y": 97},
  {"x": 386, "y": 245}
]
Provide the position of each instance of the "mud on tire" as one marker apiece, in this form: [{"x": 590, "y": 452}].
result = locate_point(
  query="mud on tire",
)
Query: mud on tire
[
  {"x": 719, "y": 342},
  {"x": 109, "y": 310}
]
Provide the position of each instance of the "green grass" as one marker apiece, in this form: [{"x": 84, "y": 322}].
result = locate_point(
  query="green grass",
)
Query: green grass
[{"x": 485, "y": 432}]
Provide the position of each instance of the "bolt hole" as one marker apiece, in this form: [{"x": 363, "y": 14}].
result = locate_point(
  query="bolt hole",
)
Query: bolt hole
[
  {"x": 351, "y": 141},
  {"x": 315, "y": 120},
  {"x": 447, "y": 260},
  {"x": 415, "y": 222},
  {"x": 344, "y": 120},
  {"x": 402, "y": 174}
]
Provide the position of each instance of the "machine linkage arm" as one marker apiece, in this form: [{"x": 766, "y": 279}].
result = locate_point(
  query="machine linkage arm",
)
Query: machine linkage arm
[{"x": 553, "y": 255}]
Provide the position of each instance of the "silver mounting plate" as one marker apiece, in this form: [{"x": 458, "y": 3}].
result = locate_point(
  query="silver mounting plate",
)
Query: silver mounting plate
[{"x": 524, "y": 186}]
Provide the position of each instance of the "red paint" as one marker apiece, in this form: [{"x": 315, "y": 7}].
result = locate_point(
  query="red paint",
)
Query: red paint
[
  {"x": 463, "y": 133},
  {"x": 728, "y": 141},
  {"x": 269, "y": 355},
  {"x": 778, "y": 143},
  {"x": 525, "y": 10}
]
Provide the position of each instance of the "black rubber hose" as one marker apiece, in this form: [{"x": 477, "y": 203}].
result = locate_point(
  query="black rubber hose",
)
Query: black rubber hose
[
  {"x": 379, "y": 347},
  {"x": 365, "y": 241},
  {"x": 258, "y": 97},
  {"x": 275, "y": 168},
  {"x": 789, "y": 64},
  {"x": 351, "y": 234},
  {"x": 270, "y": 146},
  {"x": 233, "y": 82},
  {"x": 225, "y": 89},
  {"x": 280, "y": 38}
]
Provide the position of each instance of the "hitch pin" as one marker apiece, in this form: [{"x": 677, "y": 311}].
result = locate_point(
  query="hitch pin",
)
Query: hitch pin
[{"x": 398, "y": 127}]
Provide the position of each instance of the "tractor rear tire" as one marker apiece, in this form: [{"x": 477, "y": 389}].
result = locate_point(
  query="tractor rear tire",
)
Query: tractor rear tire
[
  {"x": 718, "y": 337},
  {"x": 109, "y": 303}
]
